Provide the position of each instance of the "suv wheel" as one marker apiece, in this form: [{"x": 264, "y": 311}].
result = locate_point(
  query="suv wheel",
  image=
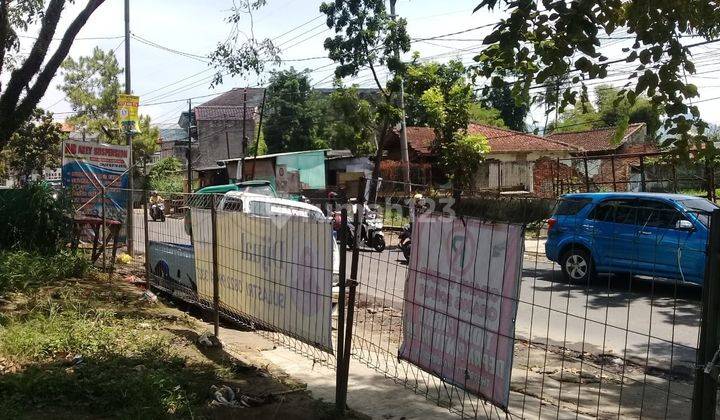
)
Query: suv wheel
[{"x": 577, "y": 266}]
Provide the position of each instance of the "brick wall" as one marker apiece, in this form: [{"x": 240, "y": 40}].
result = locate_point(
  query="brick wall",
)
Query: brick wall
[{"x": 545, "y": 176}]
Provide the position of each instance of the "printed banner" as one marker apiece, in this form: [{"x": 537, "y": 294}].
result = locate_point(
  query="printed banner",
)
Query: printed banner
[
  {"x": 277, "y": 270},
  {"x": 461, "y": 302},
  {"x": 87, "y": 167},
  {"x": 127, "y": 109}
]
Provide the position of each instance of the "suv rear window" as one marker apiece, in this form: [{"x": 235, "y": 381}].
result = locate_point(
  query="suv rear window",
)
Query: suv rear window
[{"x": 571, "y": 206}]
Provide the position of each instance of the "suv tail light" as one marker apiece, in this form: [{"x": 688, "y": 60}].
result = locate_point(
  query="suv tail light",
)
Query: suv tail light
[{"x": 550, "y": 224}]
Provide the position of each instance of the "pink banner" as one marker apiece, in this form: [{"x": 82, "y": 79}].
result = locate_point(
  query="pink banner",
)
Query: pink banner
[{"x": 461, "y": 302}]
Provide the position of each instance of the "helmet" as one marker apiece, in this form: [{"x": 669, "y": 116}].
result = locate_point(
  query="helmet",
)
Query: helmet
[
  {"x": 418, "y": 196},
  {"x": 153, "y": 193}
]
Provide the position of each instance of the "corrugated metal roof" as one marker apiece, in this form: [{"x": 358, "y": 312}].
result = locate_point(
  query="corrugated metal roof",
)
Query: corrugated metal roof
[{"x": 274, "y": 155}]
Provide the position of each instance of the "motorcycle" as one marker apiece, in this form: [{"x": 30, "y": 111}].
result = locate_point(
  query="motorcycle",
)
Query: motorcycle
[
  {"x": 371, "y": 232},
  {"x": 405, "y": 238},
  {"x": 157, "y": 212}
]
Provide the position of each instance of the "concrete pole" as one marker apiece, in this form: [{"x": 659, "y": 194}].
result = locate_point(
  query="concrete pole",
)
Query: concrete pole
[
  {"x": 404, "y": 156},
  {"x": 128, "y": 136}
]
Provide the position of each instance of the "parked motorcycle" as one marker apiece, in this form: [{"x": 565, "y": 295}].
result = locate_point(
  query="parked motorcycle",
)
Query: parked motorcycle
[
  {"x": 157, "y": 212},
  {"x": 405, "y": 238}
]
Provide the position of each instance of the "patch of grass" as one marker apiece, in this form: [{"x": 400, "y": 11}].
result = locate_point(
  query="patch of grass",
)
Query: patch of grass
[
  {"x": 20, "y": 270},
  {"x": 76, "y": 355}
]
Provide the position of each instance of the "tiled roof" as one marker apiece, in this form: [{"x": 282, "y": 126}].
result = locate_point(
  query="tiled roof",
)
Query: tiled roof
[
  {"x": 421, "y": 139},
  {"x": 221, "y": 113},
  {"x": 595, "y": 140},
  {"x": 235, "y": 98}
]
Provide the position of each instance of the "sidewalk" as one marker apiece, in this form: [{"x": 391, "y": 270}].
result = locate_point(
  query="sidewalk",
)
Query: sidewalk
[{"x": 535, "y": 247}]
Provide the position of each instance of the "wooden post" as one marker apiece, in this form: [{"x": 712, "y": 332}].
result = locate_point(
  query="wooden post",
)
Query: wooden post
[{"x": 587, "y": 175}]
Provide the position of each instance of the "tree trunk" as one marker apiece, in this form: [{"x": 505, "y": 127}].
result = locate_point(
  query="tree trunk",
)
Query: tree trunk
[{"x": 13, "y": 111}]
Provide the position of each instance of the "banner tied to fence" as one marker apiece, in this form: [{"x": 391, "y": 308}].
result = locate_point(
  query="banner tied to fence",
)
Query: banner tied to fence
[
  {"x": 461, "y": 302},
  {"x": 87, "y": 167},
  {"x": 275, "y": 272}
]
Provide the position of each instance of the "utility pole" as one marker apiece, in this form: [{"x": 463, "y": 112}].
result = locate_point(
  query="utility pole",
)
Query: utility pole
[
  {"x": 403, "y": 132},
  {"x": 189, "y": 148},
  {"x": 244, "y": 138},
  {"x": 128, "y": 136}
]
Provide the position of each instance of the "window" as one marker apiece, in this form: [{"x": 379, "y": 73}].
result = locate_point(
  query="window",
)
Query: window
[
  {"x": 571, "y": 206},
  {"x": 616, "y": 211},
  {"x": 657, "y": 214},
  {"x": 233, "y": 204},
  {"x": 701, "y": 208}
]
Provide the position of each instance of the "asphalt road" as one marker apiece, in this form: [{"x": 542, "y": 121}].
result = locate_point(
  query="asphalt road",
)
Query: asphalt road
[{"x": 637, "y": 319}]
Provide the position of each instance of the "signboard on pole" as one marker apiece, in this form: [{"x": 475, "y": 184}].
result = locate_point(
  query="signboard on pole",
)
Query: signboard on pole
[
  {"x": 87, "y": 167},
  {"x": 274, "y": 270},
  {"x": 127, "y": 108},
  {"x": 461, "y": 302}
]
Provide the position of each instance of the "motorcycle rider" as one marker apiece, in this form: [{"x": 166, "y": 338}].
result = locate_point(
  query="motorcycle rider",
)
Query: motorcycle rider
[{"x": 156, "y": 203}]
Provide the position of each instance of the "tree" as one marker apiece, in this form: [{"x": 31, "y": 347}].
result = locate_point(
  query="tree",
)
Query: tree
[
  {"x": 512, "y": 112},
  {"x": 238, "y": 57},
  {"x": 348, "y": 121},
  {"x": 611, "y": 109},
  {"x": 28, "y": 81},
  {"x": 448, "y": 113},
  {"x": 421, "y": 77},
  {"x": 92, "y": 85},
  {"x": 291, "y": 113},
  {"x": 564, "y": 38},
  {"x": 367, "y": 36},
  {"x": 166, "y": 176},
  {"x": 35, "y": 145},
  {"x": 486, "y": 116},
  {"x": 145, "y": 143}
]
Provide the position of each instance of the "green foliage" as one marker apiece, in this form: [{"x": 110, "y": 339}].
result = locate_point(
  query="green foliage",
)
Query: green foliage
[
  {"x": 462, "y": 157},
  {"x": 512, "y": 112},
  {"x": 241, "y": 53},
  {"x": 34, "y": 218},
  {"x": 291, "y": 113},
  {"x": 420, "y": 77},
  {"x": 540, "y": 41},
  {"x": 166, "y": 176},
  {"x": 512, "y": 210},
  {"x": 35, "y": 145},
  {"x": 20, "y": 270},
  {"x": 91, "y": 85},
  {"x": 145, "y": 143},
  {"x": 259, "y": 144},
  {"x": 348, "y": 121},
  {"x": 125, "y": 370},
  {"x": 365, "y": 35},
  {"x": 610, "y": 109},
  {"x": 486, "y": 116}
]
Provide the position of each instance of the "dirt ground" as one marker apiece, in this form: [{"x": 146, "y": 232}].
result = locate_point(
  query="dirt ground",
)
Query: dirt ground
[{"x": 100, "y": 365}]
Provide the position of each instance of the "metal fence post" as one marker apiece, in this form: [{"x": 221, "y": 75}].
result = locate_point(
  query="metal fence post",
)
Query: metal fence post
[
  {"x": 340, "y": 379},
  {"x": 146, "y": 239},
  {"x": 352, "y": 283},
  {"x": 642, "y": 173},
  {"x": 102, "y": 226},
  {"x": 587, "y": 175},
  {"x": 216, "y": 278},
  {"x": 612, "y": 168},
  {"x": 706, "y": 379}
]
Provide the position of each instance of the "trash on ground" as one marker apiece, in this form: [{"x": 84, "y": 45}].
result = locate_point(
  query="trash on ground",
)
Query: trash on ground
[
  {"x": 123, "y": 258},
  {"x": 208, "y": 340},
  {"x": 149, "y": 297},
  {"x": 224, "y": 396}
]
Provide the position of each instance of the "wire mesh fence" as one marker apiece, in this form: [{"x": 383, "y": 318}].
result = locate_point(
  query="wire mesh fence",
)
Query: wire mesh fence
[{"x": 490, "y": 306}]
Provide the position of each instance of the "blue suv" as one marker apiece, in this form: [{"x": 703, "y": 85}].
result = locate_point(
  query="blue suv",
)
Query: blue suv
[{"x": 649, "y": 234}]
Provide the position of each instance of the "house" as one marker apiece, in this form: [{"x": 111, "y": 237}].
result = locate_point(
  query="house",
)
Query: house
[
  {"x": 173, "y": 143},
  {"x": 606, "y": 162},
  {"x": 221, "y": 124},
  {"x": 516, "y": 160},
  {"x": 290, "y": 172}
]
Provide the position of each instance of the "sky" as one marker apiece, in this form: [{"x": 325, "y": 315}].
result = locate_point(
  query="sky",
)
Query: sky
[{"x": 165, "y": 80}]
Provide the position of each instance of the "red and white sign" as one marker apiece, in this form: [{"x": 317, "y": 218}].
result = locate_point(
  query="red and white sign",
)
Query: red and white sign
[{"x": 461, "y": 302}]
